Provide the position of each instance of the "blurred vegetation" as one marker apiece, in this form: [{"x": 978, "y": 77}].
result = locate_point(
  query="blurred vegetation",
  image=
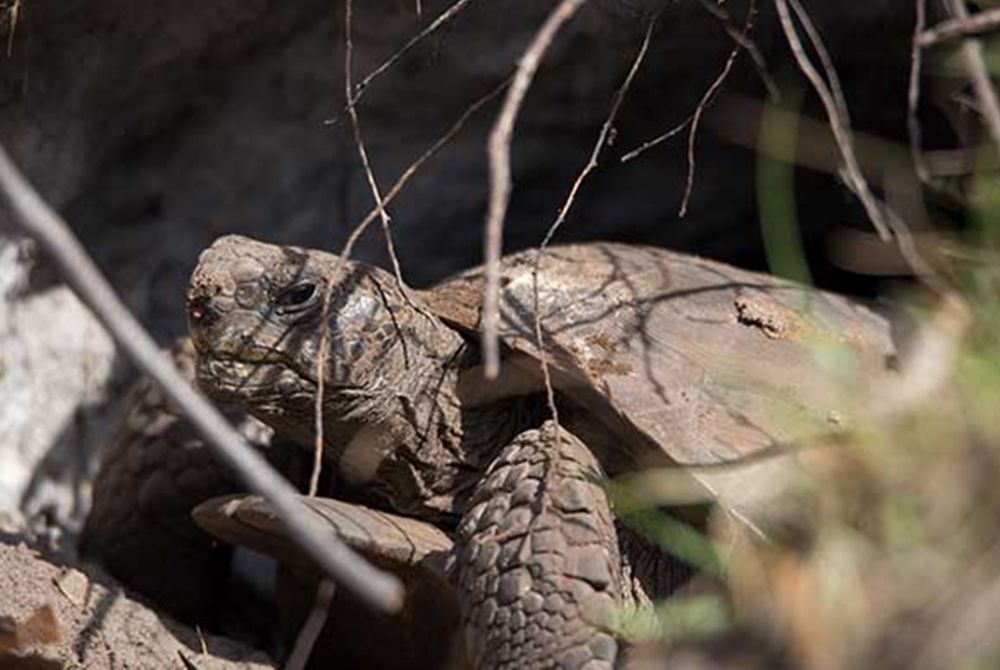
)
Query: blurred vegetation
[{"x": 895, "y": 559}]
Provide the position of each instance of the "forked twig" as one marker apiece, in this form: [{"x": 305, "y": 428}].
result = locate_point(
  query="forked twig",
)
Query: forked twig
[
  {"x": 355, "y": 93},
  {"x": 835, "y": 107},
  {"x": 352, "y": 240},
  {"x": 362, "y": 152},
  {"x": 705, "y": 101},
  {"x": 886, "y": 222},
  {"x": 374, "y": 587},
  {"x": 983, "y": 21},
  {"x": 972, "y": 51},
  {"x": 499, "y": 160},
  {"x": 742, "y": 38},
  {"x": 380, "y": 211},
  {"x": 602, "y": 140}
]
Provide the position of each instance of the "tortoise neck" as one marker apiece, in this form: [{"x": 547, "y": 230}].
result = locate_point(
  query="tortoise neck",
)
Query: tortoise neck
[{"x": 424, "y": 456}]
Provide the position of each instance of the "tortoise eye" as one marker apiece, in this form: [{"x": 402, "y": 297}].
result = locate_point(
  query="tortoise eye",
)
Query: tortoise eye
[{"x": 296, "y": 297}]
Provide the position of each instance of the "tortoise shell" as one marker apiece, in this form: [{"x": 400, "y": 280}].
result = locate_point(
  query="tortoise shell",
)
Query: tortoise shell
[{"x": 682, "y": 357}]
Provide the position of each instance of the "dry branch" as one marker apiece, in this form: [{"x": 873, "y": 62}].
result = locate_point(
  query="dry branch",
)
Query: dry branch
[
  {"x": 355, "y": 93},
  {"x": 499, "y": 158},
  {"x": 743, "y": 39},
  {"x": 972, "y": 51},
  {"x": 985, "y": 21},
  {"x": 602, "y": 140},
  {"x": 312, "y": 627},
  {"x": 374, "y": 587},
  {"x": 706, "y": 100},
  {"x": 913, "y": 91},
  {"x": 828, "y": 90},
  {"x": 659, "y": 139}
]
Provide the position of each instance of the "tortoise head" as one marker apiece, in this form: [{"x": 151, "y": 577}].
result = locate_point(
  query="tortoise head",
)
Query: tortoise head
[{"x": 255, "y": 312}]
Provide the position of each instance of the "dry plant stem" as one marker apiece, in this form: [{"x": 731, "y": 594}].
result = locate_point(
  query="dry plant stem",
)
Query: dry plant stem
[
  {"x": 703, "y": 104},
  {"x": 913, "y": 92},
  {"x": 355, "y": 235},
  {"x": 355, "y": 93},
  {"x": 742, "y": 38},
  {"x": 972, "y": 51},
  {"x": 499, "y": 160},
  {"x": 432, "y": 151},
  {"x": 386, "y": 230},
  {"x": 839, "y": 123},
  {"x": 602, "y": 140},
  {"x": 14, "y": 11},
  {"x": 312, "y": 627},
  {"x": 984, "y": 21},
  {"x": 374, "y": 587},
  {"x": 659, "y": 139},
  {"x": 362, "y": 152}
]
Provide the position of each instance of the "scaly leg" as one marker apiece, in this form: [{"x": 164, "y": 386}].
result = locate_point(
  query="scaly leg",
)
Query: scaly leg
[{"x": 538, "y": 570}]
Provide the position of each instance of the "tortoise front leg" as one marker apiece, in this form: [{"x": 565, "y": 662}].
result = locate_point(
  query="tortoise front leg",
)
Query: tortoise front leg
[{"x": 538, "y": 570}]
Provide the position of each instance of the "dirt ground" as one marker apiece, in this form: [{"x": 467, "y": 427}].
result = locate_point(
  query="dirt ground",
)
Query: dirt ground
[{"x": 57, "y": 615}]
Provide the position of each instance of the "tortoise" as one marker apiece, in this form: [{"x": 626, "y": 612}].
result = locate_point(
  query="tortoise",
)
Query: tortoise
[
  {"x": 657, "y": 359},
  {"x": 491, "y": 510}
]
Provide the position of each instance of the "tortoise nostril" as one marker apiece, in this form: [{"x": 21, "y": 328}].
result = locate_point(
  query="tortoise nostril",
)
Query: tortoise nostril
[{"x": 200, "y": 311}]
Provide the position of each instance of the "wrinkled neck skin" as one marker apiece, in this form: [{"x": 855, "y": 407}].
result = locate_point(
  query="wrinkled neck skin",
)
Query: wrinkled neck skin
[
  {"x": 408, "y": 443},
  {"x": 395, "y": 432}
]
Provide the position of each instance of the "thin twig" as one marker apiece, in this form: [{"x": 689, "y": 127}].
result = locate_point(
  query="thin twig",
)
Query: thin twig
[
  {"x": 499, "y": 159},
  {"x": 357, "y": 92},
  {"x": 432, "y": 151},
  {"x": 602, "y": 137},
  {"x": 913, "y": 92},
  {"x": 376, "y": 588},
  {"x": 602, "y": 140},
  {"x": 386, "y": 231},
  {"x": 345, "y": 254},
  {"x": 839, "y": 123},
  {"x": 362, "y": 152},
  {"x": 659, "y": 139},
  {"x": 743, "y": 39},
  {"x": 14, "y": 11},
  {"x": 703, "y": 104},
  {"x": 972, "y": 51},
  {"x": 983, "y": 21},
  {"x": 312, "y": 627}
]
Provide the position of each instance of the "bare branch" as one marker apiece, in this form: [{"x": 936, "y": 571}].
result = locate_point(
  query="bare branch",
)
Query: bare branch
[
  {"x": 659, "y": 139},
  {"x": 374, "y": 587},
  {"x": 835, "y": 108},
  {"x": 602, "y": 137},
  {"x": 972, "y": 51},
  {"x": 983, "y": 21},
  {"x": 390, "y": 247},
  {"x": 499, "y": 156},
  {"x": 913, "y": 92},
  {"x": 743, "y": 39},
  {"x": 362, "y": 152},
  {"x": 13, "y": 12},
  {"x": 432, "y": 151},
  {"x": 355, "y": 93},
  {"x": 312, "y": 627},
  {"x": 705, "y": 101},
  {"x": 602, "y": 140},
  {"x": 345, "y": 253}
]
